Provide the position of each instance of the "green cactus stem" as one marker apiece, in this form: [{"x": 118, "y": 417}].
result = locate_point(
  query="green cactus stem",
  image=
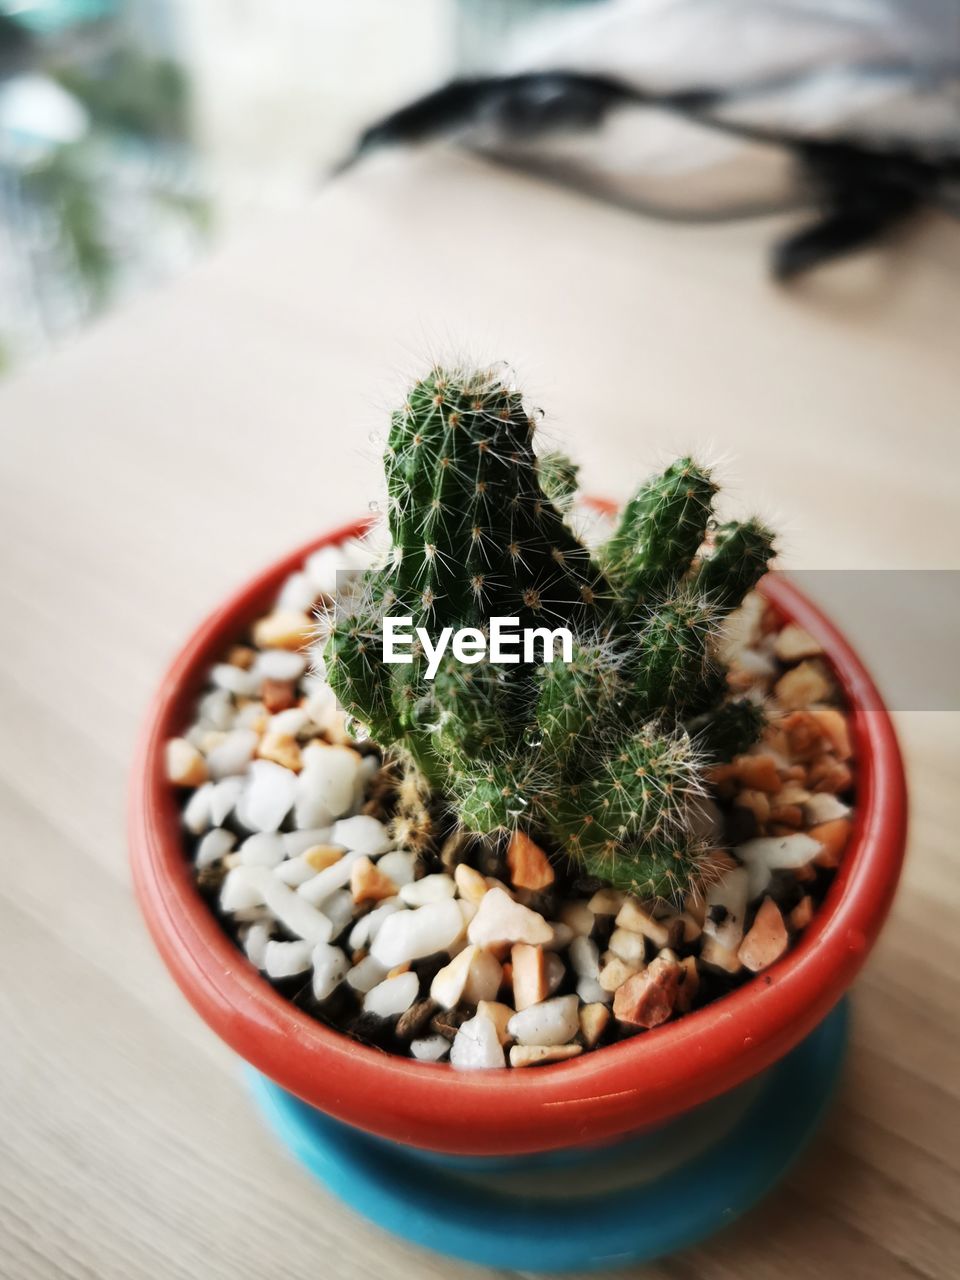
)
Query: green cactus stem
[{"x": 602, "y": 756}]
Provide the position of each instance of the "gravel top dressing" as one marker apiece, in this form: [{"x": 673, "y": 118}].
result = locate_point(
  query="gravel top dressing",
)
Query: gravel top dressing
[{"x": 491, "y": 951}]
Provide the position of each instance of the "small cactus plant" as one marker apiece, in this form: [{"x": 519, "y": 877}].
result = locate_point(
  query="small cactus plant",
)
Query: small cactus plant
[{"x": 602, "y": 757}]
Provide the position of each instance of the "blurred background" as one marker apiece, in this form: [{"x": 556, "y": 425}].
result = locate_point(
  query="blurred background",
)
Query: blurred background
[{"x": 133, "y": 132}]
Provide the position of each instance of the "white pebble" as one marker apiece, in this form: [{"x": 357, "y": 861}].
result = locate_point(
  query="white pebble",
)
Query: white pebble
[
  {"x": 255, "y": 944},
  {"x": 824, "y": 807},
  {"x": 214, "y": 846},
  {"x": 477, "y": 1045},
  {"x": 500, "y": 919},
  {"x": 289, "y": 908},
  {"x": 563, "y": 935},
  {"x": 731, "y": 893},
  {"x": 777, "y": 852},
  {"x": 430, "y": 889},
  {"x": 366, "y": 974},
  {"x": 244, "y": 684},
  {"x": 309, "y": 811},
  {"x": 362, "y": 834},
  {"x": 398, "y": 866},
  {"x": 338, "y": 909},
  {"x": 549, "y": 1022},
  {"x": 216, "y": 710},
  {"x": 322, "y": 568},
  {"x": 410, "y": 935},
  {"x": 223, "y": 799},
  {"x": 295, "y": 842},
  {"x": 367, "y": 927},
  {"x": 328, "y": 780},
  {"x": 295, "y": 871},
  {"x": 251, "y": 716},
  {"x": 321, "y": 703},
  {"x": 279, "y": 664},
  {"x": 232, "y": 754},
  {"x": 261, "y": 850},
  {"x": 268, "y": 797},
  {"x": 629, "y": 946},
  {"x": 555, "y": 969},
  {"x": 297, "y": 594},
  {"x": 585, "y": 957},
  {"x": 286, "y": 959},
  {"x": 590, "y": 992},
  {"x": 196, "y": 812},
  {"x": 330, "y": 878},
  {"x": 577, "y": 916},
  {"x": 238, "y": 892},
  {"x": 329, "y": 968},
  {"x": 472, "y": 975},
  {"x": 289, "y": 723},
  {"x": 430, "y": 1048},
  {"x": 394, "y": 996}
]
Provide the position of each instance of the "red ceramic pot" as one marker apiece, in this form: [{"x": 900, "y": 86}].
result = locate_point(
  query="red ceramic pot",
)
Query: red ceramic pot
[{"x": 637, "y": 1084}]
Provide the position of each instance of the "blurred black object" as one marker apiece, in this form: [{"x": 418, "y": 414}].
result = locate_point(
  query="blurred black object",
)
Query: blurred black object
[{"x": 555, "y": 121}]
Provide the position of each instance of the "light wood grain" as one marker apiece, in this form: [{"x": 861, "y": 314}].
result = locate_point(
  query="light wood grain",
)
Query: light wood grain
[{"x": 149, "y": 466}]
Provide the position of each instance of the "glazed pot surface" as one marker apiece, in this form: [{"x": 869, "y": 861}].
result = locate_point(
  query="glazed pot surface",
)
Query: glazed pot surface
[{"x": 623, "y": 1088}]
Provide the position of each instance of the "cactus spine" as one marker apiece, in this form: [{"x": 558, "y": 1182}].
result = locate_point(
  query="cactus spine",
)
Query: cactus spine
[{"x": 602, "y": 756}]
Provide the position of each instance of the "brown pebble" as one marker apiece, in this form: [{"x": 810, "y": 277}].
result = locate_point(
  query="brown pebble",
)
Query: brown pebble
[
  {"x": 242, "y": 656},
  {"x": 802, "y": 914},
  {"x": 689, "y": 985},
  {"x": 802, "y": 685},
  {"x": 448, "y": 1022},
  {"x": 833, "y": 725},
  {"x": 529, "y": 866},
  {"x": 648, "y": 998},
  {"x": 759, "y": 773},
  {"x": 415, "y": 1019},
  {"x": 185, "y": 765},
  {"x": 285, "y": 629},
  {"x": 793, "y": 644},
  {"x": 282, "y": 749},
  {"x": 321, "y": 856},
  {"x": 833, "y": 837},
  {"x": 278, "y": 695},
  {"x": 593, "y": 1022},
  {"x": 829, "y": 774},
  {"x": 767, "y": 939},
  {"x": 528, "y": 967},
  {"x": 368, "y": 883}
]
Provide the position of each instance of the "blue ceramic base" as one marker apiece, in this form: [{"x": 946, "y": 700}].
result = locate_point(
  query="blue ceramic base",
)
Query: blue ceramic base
[{"x": 648, "y": 1196}]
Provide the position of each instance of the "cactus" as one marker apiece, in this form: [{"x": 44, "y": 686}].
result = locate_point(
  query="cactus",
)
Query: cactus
[{"x": 600, "y": 757}]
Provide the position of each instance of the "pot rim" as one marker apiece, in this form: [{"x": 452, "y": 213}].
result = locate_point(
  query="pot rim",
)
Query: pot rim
[{"x": 640, "y": 1082}]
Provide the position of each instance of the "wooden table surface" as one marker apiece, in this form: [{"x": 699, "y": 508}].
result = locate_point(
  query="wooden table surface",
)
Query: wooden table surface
[{"x": 190, "y": 437}]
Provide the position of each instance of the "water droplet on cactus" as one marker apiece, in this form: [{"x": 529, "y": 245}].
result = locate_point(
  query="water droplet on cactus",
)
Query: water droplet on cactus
[
  {"x": 355, "y": 729},
  {"x": 516, "y": 807},
  {"x": 374, "y": 505},
  {"x": 532, "y": 739},
  {"x": 375, "y": 438}
]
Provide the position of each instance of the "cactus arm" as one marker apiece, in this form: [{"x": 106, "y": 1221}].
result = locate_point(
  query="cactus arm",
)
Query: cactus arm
[
  {"x": 673, "y": 658},
  {"x": 558, "y": 479},
  {"x": 661, "y": 529},
  {"x": 741, "y": 553},
  {"x": 731, "y": 729}
]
